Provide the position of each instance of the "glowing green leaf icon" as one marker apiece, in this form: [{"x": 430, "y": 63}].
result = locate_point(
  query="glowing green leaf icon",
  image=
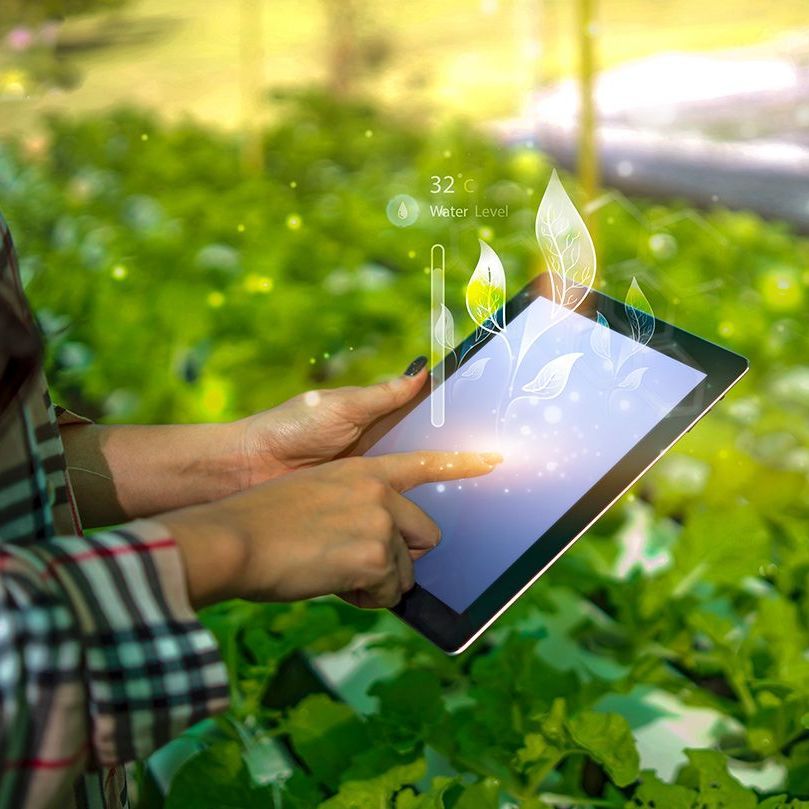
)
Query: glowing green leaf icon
[
  {"x": 486, "y": 291},
  {"x": 641, "y": 320},
  {"x": 639, "y": 314}
]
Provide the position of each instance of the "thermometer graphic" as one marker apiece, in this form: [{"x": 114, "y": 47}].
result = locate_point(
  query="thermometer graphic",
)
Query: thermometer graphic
[{"x": 437, "y": 303}]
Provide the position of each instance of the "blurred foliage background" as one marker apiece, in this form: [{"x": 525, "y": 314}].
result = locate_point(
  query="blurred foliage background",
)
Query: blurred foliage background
[{"x": 185, "y": 268}]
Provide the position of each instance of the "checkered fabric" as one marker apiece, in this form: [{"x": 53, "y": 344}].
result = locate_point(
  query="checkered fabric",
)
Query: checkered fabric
[{"x": 102, "y": 659}]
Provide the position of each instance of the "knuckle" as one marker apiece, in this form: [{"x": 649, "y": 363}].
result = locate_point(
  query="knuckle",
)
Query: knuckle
[
  {"x": 374, "y": 489},
  {"x": 351, "y": 472},
  {"x": 382, "y": 524},
  {"x": 376, "y": 558},
  {"x": 391, "y": 600},
  {"x": 351, "y": 466},
  {"x": 408, "y": 579}
]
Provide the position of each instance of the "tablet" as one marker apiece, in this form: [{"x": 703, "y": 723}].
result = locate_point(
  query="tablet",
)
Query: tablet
[{"x": 580, "y": 403}]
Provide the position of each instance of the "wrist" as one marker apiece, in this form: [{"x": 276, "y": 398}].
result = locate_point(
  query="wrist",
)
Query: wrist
[
  {"x": 214, "y": 553},
  {"x": 228, "y": 458},
  {"x": 250, "y": 458}
]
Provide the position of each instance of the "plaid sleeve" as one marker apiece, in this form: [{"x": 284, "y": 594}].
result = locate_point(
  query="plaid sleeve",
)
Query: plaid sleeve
[{"x": 102, "y": 659}]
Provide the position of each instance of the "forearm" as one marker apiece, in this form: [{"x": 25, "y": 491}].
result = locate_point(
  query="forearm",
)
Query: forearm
[{"x": 120, "y": 473}]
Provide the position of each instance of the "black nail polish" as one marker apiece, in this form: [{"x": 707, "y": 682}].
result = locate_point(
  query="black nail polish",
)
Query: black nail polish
[{"x": 416, "y": 366}]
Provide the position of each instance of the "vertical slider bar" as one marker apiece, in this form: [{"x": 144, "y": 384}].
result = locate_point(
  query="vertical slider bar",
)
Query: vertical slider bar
[{"x": 437, "y": 261}]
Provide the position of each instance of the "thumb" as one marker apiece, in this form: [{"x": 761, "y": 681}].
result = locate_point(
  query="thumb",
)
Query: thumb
[{"x": 378, "y": 400}]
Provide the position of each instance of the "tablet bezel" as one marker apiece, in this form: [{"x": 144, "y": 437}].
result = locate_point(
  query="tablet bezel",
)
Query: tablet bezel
[{"x": 452, "y": 631}]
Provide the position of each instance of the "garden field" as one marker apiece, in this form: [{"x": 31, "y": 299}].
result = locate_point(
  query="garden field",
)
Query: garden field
[{"x": 661, "y": 663}]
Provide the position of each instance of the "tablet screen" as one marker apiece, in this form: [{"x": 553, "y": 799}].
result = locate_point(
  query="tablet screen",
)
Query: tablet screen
[{"x": 581, "y": 398}]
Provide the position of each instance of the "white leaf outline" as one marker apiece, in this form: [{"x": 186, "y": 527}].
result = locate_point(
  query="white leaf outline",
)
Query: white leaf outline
[
  {"x": 489, "y": 272},
  {"x": 475, "y": 369},
  {"x": 552, "y": 377},
  {"x": 444, "y": 329},
  {"x": 569, "y": 254},
  {"x": 641, "y": 319},
  {"x": 633, "y": 379},
  {"x": 600, "y": 338}
]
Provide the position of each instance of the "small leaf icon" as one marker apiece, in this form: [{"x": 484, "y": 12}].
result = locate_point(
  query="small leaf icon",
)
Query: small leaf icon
[
  {"x": 486, "y": 291},
  {"x": 552, "y": 377},
  {"x": 475, "y": 369},
  {"x": 639, "y": 314},
  {"x": 641, "y": 320},
  {"x": 444, "y": 329},
  {"x": 600, "y": 338},
  {"x": 633, "y": 379}
]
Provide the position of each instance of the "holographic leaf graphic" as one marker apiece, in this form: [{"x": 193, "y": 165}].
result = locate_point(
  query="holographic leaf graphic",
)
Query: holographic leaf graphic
[
  {"x": 475, "y": 369},
  {"x": 570, "y": 257},
  {"x": 641, "y": 321},
  {"x": 552, "y": 377},
  {"x": 444, "y": 329},
  {"x": 633, "y": 379},
  {"x": 486, "y": 291},
  {"x": 600, "y": 338},
  {"x": 639, "y": 314},
  {"x": 566, "y": 245}
]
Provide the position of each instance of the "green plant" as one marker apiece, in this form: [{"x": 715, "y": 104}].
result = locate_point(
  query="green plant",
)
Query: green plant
[{"x": 172, "y": 287}]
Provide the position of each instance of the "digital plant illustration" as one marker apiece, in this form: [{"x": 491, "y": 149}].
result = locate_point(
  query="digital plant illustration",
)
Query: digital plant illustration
[{"x": 570, "y": 259}]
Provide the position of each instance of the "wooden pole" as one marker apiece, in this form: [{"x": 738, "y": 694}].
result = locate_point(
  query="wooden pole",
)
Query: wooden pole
[
  {"x": 588, "y": 146},
  {"x": 252, "y": 83}
]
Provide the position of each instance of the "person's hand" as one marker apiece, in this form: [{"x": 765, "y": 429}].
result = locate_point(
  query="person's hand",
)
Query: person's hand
[
  {"x": 318, "y": 426},
  {"x": 342, "y": 527}
]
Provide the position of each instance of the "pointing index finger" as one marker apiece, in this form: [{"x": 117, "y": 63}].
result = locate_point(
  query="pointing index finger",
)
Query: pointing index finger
[{"x": 405, "y": 470}]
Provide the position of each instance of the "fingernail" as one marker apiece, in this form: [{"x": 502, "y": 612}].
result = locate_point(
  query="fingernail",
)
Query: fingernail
[
  {"x": 416, "y": 366},
  {"x": 491, "y": 458}
]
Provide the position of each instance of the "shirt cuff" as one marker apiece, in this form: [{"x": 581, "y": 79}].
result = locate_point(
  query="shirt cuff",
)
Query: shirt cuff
[
  {"x": 152, "y": 669},
  {"x": 65, "y": 417}
]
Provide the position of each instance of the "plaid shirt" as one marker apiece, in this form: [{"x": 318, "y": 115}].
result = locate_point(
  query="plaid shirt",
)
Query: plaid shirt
[{"x": 102, "y": 659}]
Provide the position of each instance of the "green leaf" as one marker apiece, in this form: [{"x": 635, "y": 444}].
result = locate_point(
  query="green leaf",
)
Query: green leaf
[
  {"x": 538, "y": 753},
  {"x": 436, "y": 797},
  {"x": 409, "y": 706},
  {"x": 326, "y": 735},
  {"x": 374, "y": 778},
  {"x": 300, "y": 792},
  {"x": 717, "y": 789},
  {"x": 783, "y": 802},
  {"x": 543, "y": 750},
  {"x": 607, "y": 738},
  {"x": 485, "y": 794},
  {"x": 711, "y": 545},
  {"x": 217, "y": 778},
  {"x": 652, "y": 793}
]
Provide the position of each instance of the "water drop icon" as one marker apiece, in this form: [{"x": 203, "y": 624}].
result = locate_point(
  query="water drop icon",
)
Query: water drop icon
[{"x": 401, "y": 210}]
